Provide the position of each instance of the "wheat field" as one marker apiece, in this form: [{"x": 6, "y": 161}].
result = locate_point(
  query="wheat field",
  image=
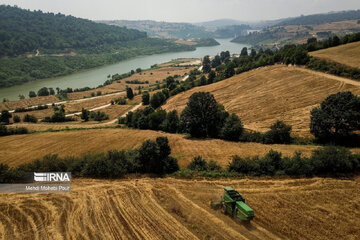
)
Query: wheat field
[
  {"x": 168, "y": 208},
  {"x": 262, "y": 96},
  {"x": 19, "y": 149},
  {"x": 347, "y": 54}
]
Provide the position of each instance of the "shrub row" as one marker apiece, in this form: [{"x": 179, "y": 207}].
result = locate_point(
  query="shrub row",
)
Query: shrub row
[
  {"x": 327, "y": 161},
  {"x": 4, "y": 131},
  {"x": 151, "y": 157}
]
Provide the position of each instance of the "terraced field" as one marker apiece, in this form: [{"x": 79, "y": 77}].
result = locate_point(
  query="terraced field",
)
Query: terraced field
[
  {"x": 168, "y": 208},
  {"x": 262, "y": 96},
  {"x": 347, "y": 54}
]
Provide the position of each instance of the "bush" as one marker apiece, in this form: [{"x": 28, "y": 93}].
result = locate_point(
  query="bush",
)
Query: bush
[
  {"x": 120, "y": 101},
  {"x": 213, "y": 166},
  {"x": 298, "y": 165},
  {"x": 334, "y": 160},
  {"x": 246, "y": 166},
  {"x": 198, "y": 164},
  {"x": 232, "y": 128},
  {"x": 98, "y": 116},
  {"x": 279, "y": 133},
  {"x": 30, "y": 118},
  {"x": 145, "y": 98},
  {"x": 4, "y": 131},
  {"x": 16, "y": 119},
  {"x": 171, "y": 123}
]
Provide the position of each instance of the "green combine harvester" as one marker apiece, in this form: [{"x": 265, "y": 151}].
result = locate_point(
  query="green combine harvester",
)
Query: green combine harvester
[{"x": 234, "y": 205}]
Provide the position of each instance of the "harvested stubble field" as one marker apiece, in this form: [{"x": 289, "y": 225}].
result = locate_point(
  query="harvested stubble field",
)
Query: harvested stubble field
[
  {"x": 151, "y": 75},
  {"x": 28, "y": 102},
  {"x": 347, "y": 54},
  {"x": 262, "y": 96},
  {"x": 19, "y": 149},
  {"x": 179, "y": 209}
]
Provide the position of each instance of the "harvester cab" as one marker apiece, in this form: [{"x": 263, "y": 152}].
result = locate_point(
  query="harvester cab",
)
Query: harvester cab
[{"x": 234, "y": 205}]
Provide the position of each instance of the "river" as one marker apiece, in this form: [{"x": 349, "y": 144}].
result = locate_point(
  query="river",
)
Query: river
[{"x": 97, "y": 76}]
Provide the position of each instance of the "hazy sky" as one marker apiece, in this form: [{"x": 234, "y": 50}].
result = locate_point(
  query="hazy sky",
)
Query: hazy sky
[{"x": 186, "y": 10}]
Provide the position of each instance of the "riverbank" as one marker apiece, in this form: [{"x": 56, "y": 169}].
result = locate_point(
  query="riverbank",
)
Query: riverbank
[{"x": 95, "y": 77}]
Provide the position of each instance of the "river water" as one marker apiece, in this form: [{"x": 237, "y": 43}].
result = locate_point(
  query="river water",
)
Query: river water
[{"x": 97, "y": 76}]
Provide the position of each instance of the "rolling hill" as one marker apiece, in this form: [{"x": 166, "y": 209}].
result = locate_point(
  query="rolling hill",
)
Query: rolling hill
[
  {"x": 163, "y": 29},
  {"x": 69, "y": 143},
  {"x": 262, "y": 96},
  {"x": 25, "y": 31},
  {"x": 347, "y": 54}
]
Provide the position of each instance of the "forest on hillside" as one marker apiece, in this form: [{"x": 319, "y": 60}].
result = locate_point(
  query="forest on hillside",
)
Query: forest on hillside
[
  {"x": 322, "y": 18},
  {"x": 23, "y": 31}
]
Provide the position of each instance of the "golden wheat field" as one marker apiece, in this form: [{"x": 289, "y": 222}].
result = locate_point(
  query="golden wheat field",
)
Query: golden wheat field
[
  {"x": 347, "y": 54},
  {"x": 19, "y": 149},
  {"x": 262, "y": 96},
  {"x": 28, "y": 102},
  {"x": 151, "y": 75},
  {"x": 148, "y": 208}
]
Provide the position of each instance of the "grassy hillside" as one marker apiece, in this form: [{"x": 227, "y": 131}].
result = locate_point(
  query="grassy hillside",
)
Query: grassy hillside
[
  {"x": 347, "y": 54},
  {"x": 168, "y": 208},
  {"x": 262, "y": 96}
]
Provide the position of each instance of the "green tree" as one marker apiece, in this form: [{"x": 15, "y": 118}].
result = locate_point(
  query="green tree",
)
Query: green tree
[
  {"x": 202, "y": 116},
  {"x": 51, "y": 91},
  {"x": 206, "y": 64},
  {"x": 129, "y": 93},
  {"x": 43, "y": 92},
  {"x": 279, "y": 133},
  {"x": 253, "y": 53},
  {"x": 216, "y": 61},
  {"x": 337, "y": 116},
  {"x": 5, "y": 116},
  {"x": 203, "y": 81},
  {"x": 232, "y": 128},
  {"x": 244, "y": 52},
  {"x": 171, "y": 123},
  {"x": 16, "y": 119},
  {"x": 85, "y": 114},
  {"x": 145, "y": 98},
  {"x": 157, "y": 100},
  {"x": 30, "y": 118},
  {"x": 32, "y": 94},
  {"x": 211, "y": 77},
  {"x": 229, "y": 70},
  {"x": 156, "y": 118},
  {"x": 21, "y": 96}
]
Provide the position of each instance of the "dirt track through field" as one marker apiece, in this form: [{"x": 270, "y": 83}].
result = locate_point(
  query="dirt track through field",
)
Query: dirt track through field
[{"x": 152, "y": 208}]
